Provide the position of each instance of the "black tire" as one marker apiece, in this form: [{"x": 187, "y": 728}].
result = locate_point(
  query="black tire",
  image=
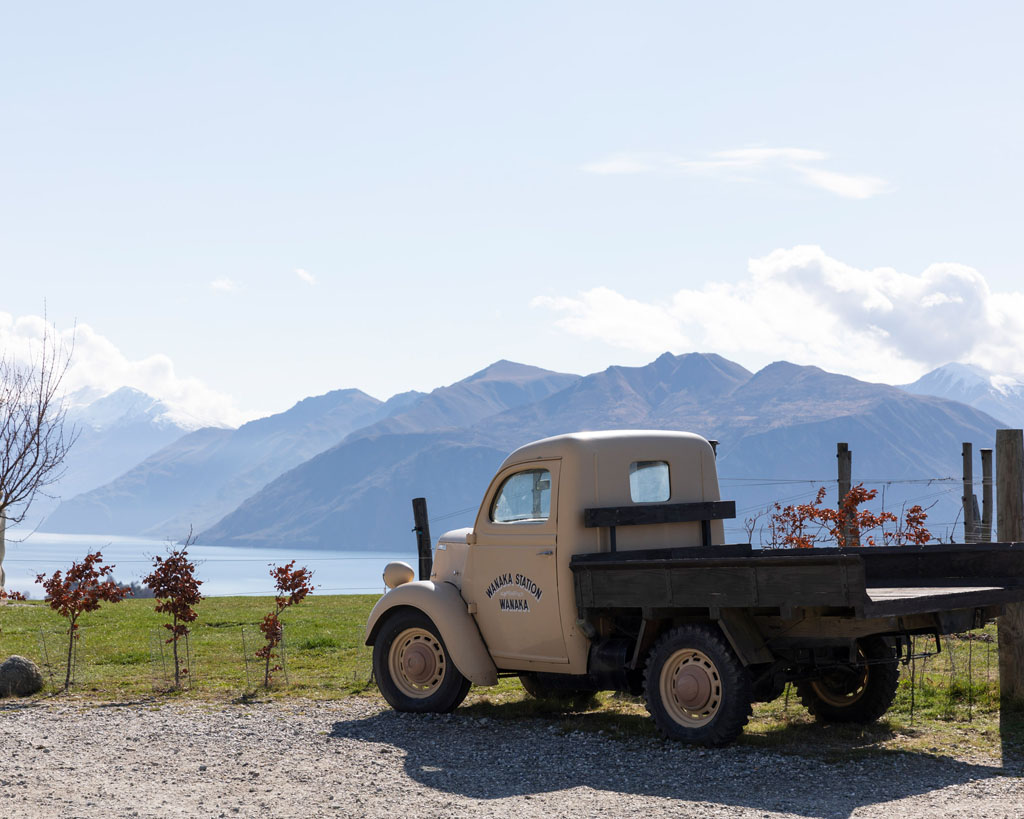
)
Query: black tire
[
  {"x": 560, "y": 688},
  {"x": 860, "y": 693},
  {"x": 697, "y": 690},
  {"x": 413, "y": 668}
]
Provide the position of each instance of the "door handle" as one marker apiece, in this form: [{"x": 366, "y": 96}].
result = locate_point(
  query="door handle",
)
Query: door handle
[{"x": 546, "y": 552}]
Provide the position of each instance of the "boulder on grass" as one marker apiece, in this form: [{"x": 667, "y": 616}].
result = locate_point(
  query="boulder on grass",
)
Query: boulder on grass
[{"x": 19, "y": 677}]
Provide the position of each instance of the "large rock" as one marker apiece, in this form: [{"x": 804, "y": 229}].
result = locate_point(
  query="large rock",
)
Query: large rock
[{"x": 19, "y": 677}]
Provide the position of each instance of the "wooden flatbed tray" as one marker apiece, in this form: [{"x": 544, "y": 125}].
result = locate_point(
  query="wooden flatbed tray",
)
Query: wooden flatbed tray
[{"x": 872, "y": 581}]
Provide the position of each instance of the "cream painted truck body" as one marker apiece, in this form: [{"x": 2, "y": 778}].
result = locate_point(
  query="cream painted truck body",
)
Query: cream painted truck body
[{"x": 597, "y": 561}]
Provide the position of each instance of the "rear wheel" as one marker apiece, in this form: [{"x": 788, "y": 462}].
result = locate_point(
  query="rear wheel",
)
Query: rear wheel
[
  {"x": 697, "y": 690},
  {"x": 413, "y": 669},
  {"x": 854, "y": 693}
]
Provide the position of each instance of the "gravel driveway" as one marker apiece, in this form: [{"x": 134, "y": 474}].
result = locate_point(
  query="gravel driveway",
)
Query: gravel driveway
[{"x": 355, "y": 758}]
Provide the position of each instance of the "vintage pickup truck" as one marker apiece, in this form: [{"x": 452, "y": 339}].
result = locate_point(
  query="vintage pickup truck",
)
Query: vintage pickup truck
[{"x": 597, "y": 562}]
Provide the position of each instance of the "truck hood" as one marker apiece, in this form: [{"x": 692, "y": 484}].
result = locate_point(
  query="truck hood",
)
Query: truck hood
[{"x": 456, "y": 535}]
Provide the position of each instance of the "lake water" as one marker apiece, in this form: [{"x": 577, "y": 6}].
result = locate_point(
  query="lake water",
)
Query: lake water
[{"x": 223, "y": 570}]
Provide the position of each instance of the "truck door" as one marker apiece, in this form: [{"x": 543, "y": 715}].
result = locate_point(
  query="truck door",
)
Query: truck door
[{"x": 511, "y": 569}]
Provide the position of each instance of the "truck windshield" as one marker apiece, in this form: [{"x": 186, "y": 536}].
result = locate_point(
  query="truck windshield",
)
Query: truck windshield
[{"x": 523, "y": 496}]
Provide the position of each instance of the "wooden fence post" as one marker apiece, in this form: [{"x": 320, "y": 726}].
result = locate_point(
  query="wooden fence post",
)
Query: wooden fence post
[
  {"x": 1010, "y": 528},
  {"x": 845, "y": 459},
  {"x": 970, "y": 536},
  {"x": 422, "y": 530},
  {"x": 986, "y": 495}
]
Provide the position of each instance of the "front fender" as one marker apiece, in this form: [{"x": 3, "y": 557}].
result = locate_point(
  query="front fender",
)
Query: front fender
[{"x": 443, "y": 604}]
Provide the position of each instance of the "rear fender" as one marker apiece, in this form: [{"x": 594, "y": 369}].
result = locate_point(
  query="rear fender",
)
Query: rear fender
[{"x": 443, "y": 604}]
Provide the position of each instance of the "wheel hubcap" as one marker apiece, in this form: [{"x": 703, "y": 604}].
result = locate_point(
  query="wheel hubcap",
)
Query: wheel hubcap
[
  {"x": 417, "y": 663},
  {"x": 842, "y": 688},
  {"x": 691, "y": 688}
]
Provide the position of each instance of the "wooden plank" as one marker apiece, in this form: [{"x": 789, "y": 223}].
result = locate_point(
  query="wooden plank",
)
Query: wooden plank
[
  {"x": 1010, "y": 526},
  {"x": 628, "y": 556},
  {"x": 629, "y": 588},
  {"x": 905, "y": 592},
  {"x": 798, "y": 586},
  {"x": 658, "y": 513},
  {"x": 723, "y": 586},
  {"x": 946, "y": 600}
]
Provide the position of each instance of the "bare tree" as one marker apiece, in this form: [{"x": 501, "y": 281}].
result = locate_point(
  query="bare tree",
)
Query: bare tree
[{"x": 33, "y": 440}]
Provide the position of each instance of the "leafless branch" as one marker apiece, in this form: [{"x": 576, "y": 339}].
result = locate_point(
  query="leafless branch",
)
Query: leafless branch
[{"x": 33, "y": 438}]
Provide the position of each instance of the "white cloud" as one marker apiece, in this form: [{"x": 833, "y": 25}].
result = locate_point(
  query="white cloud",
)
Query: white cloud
[
  {"x": 224, "y": 285},
  {"x": 843, "y": 184},
  {"x": 605, "y": 314},
  {"x": 800, "y": 163},
  {"x": 801, "y": 305},
  {"x": 98, "y": 364},
  {"x": 306, "y": 276}
]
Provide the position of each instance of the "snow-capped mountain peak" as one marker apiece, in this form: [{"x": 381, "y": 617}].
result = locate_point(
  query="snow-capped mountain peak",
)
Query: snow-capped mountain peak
[
  {"x": 1001, "y": 396},
  {"x": 127, "y": 406}
]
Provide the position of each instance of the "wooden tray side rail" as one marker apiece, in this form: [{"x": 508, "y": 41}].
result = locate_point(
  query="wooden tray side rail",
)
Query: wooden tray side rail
[
  {"x": 723, "y": 582},
  {"x": 967, "y": 564}
]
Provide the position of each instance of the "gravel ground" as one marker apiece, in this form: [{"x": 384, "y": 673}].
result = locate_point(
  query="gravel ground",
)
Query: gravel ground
[{"x": 356, "y": 758}]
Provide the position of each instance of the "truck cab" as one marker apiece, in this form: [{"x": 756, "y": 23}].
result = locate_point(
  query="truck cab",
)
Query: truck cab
[{"x": 512, "y": 567}]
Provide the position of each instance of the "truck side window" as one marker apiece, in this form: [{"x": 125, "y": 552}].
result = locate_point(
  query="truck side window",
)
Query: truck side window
[
  {"x": 648, "y": 481},
  {"x": 525, "y": 496}
]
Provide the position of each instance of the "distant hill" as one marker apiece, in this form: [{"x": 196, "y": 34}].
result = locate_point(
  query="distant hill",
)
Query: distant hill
[
  {"x": 499, "y": 387},
  {"x": 205, "y": 475},
  {"x": 1000, "y": 396},
  {"x": 115, "y": 431},
  {"x": 778, "y": 429},
  {"x": 202, "y": 476},
  {"x": 357, "y": 495}
]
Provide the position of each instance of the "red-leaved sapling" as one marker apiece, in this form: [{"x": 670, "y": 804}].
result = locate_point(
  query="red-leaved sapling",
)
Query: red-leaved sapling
[
  {"x": 174, "y": 585},
  {"x": 82, "y": 589},
  {"x": 292, "y": 587}
]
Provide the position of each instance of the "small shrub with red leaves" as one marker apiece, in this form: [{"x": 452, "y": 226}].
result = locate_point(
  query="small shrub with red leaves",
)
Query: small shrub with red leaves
[
  {"x": 81, "y": 590},
  {"x": 804, "y": 525},
  {"x": 292, "y": 587},
  {"x": 176, "y": 589}
]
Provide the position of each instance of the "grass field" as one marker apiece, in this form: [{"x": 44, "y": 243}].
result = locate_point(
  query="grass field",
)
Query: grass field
[{"x": 952, "y": 707}]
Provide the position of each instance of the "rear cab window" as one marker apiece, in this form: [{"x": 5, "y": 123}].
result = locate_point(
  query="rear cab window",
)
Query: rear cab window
[{"x": 649, "y": 482}]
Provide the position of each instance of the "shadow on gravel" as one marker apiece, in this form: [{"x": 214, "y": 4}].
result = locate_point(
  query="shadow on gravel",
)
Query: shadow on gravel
[{"x": 487, "y": 758}]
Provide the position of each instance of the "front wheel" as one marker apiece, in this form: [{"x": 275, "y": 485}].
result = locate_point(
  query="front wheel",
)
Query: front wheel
[
  {"x": 413, "y": 669},
  {"x": 697, "y": 690},
  {"x": 854, "y": 693}
]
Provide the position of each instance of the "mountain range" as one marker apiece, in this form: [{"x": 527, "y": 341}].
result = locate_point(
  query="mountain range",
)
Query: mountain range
[
  {"x": 337, "y": 471},
  {"x": 775, "y": 426}
]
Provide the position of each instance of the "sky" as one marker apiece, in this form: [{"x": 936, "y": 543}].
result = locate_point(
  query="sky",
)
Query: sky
[{"x": 233, "y": 206}]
